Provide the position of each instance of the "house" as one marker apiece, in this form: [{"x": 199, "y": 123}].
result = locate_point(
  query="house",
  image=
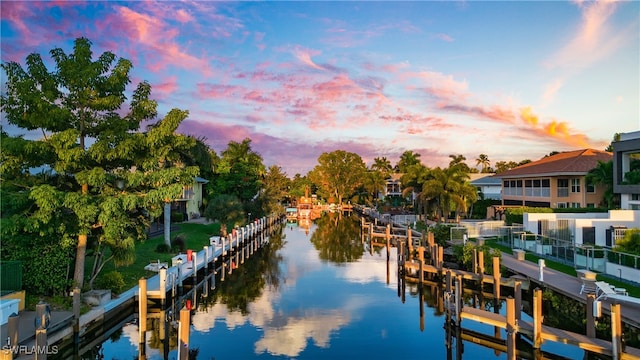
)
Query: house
[
  {"x": 488, "y": 185},
  {"x": 393, "y": 185},
  {"x": 555, "y": 181},
  {"x": 191, "y": 201},
  {"x": 623, "y": 151}
]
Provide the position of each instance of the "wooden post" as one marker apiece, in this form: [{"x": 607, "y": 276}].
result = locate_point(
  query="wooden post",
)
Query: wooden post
[
  {"x": 481, "y": 263},
  {"x": 517, "y": 292},
  {"x": 410, "y": 250},
  {"x": 616, "y": 331},
  {"x": 13, "y": 330},
  {"x": 388, "y": 243},
  {"x": 41, "y": 344},
  {"x": 537, "y": 318},
  {"x": 591, "y": 321},
  {"x": 194, "y": 265},
  {"x": 474, "y": 261},
  {"x": 206, "y": 260},
  {"x": 421, "y": 260},
  {"x": 183, "y": 343},
  {"x": 142, "y": 309},
  {"x": 388, "y": 231},
  {"x": 511, "y": 328},
  {"x": 458, "y": 299},
  {"x": 162, "y": 285},
  {"x": 409, "y": 235},
  {"x": 496, "y": 277},
  {"x": 142, "y": 315},
  {"x": 448, "y": 281},
  {"x": 76, "y": 314},
  {"x": 440, "y": 258}
]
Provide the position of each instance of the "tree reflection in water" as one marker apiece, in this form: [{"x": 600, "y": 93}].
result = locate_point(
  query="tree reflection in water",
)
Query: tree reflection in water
[
  {"x": 247, "y": 283},
  {"x": 337, "y": 238}
]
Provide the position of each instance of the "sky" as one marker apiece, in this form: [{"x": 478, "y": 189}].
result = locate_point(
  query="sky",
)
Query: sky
[{"x": 513, "y": 80}]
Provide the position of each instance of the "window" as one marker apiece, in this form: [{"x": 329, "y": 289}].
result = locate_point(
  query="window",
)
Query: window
[
  {"x": 575, "y": 205},
  {"x": 563, "y": 188},
  {"x": 591, "y": 205},
  {"x": 575, "y": 185},
  {"x": 591, "y": 187},
  {"x": 562, "y": 205},
  {"x": 635, "y": 197}
]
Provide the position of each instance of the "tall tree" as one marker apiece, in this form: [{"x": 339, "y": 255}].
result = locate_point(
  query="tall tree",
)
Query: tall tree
[
  {"x": 114, "y": 173},
  {"x": 382, "y": 165},
  {"x": 338, "y": 174},
  {"x": 446, "y": 187},
  {"x": 412, "y": 182},
  {"x": 373, "y": 184},
  {"x": 239, "y": 171},
  {"x": 276, "y": 190},
  {"x": 459, "y": 162},
  {"x": 483, "y": 162},
  {"x": 408, "y": 158}
]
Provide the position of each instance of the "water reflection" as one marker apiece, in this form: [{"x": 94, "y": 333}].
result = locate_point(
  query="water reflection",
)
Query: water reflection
[{"x": 327, "y": 295}]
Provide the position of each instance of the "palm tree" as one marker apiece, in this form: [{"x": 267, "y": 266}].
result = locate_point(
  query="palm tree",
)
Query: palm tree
[
  {"x": 382, "y": 165},
  {"x": 412, "y": 182},
  {"x": 602, "y": 174},
  {"x": 407, "y": 159},
  {"x": 459, "y": 161},
  {"x": 447, "y": 189},
  {"x": 483, "y": 160},
  {"x": 373, "y": 183}
]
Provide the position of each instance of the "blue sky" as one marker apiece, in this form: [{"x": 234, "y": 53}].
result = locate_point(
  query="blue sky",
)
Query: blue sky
[{"x": 511, "y": 79}]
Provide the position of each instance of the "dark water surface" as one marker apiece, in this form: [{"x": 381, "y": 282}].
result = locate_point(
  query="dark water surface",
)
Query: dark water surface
[{"x": 314, "y": 293}]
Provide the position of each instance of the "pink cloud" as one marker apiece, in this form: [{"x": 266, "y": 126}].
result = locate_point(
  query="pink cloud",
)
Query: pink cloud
[
  {"x": 593, "y": 40},
  {"x": 304, "y": 55}
]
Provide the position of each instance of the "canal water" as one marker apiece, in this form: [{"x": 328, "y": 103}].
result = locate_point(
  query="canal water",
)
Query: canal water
[{"x": 313, "y": 293}]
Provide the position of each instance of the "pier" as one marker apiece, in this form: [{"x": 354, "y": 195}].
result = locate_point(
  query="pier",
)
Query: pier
[
  {"x": 168, "y": 296},
  {"x": 420, "y": 260}
]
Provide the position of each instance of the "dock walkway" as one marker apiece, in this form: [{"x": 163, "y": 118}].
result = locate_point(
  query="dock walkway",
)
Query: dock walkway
[{"x": 567, "y": 285}]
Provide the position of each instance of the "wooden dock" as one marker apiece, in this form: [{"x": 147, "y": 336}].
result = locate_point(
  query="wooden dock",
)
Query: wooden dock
[{"x": 411, "y": 260}]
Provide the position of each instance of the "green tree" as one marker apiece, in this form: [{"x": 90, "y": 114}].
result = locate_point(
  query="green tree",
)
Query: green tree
[
  {"x": 373, "y": 183},
  {"x": 602, "y": 174},
  {"x": 276, "y": 190},
  {"x": 382, "y": 165},
  {"x": 446, "y": 187},
  {"x": 239, "y": 171},
  {"x": 458, "y": 161},
  {"x": 110, "y": 175},
  {"x": 412, "y": 181},
  {"x": 227, "y": 210},
  {"x": 483, "y": 162},
  {"x": 338, "y": 174},
  {"x": 630, "y": 242},
  {"x": 407, "y": 159}
]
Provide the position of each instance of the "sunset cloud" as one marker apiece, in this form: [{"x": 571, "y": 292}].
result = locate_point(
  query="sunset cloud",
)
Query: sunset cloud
[{"x": 302, "y": 78}]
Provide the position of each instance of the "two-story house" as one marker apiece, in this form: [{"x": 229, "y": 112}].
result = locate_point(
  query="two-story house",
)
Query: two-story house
[{"x": 555, "y": 181}]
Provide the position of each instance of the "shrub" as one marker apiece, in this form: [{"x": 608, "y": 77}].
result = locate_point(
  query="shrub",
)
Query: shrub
[
  {"x": 178, "y": 244},
  {"x": 163, "y": 248},
  {"x": 112, "y": 281},
  {"x": 177, "y": 216},
  {"x": 441, "y": 233}
]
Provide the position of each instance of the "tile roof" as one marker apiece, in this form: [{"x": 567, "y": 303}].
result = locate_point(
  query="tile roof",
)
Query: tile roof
[{"x": 577, "y": 162}]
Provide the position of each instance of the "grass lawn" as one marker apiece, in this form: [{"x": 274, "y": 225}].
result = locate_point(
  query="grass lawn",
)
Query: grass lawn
[
  {"x": 195, "y": 236},
  {"x": 567, "y": 269}
]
